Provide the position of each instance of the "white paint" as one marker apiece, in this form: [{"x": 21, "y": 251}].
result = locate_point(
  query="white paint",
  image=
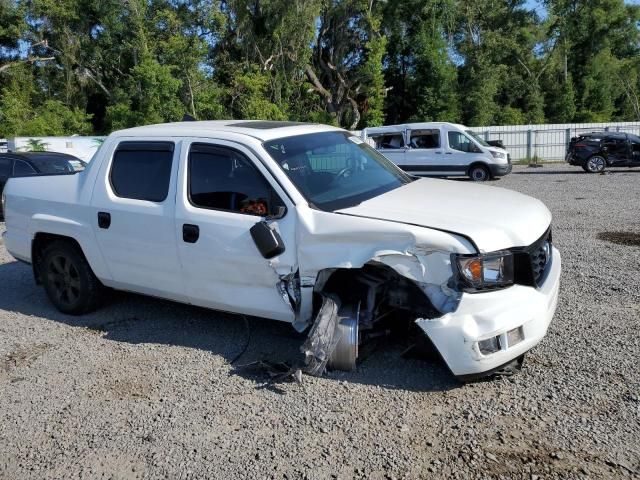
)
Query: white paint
[{"x": 413, "y": 229}]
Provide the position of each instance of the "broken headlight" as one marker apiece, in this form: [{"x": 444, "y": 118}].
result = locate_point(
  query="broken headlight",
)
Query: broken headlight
[{"x": 486, "y": 271}]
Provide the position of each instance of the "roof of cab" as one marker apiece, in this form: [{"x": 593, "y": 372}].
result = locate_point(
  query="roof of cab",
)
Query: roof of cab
[{"x": 259, "y": 129}]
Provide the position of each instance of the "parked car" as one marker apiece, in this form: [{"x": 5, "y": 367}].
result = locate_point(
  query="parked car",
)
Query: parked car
[
  {"x": 439, "y": 149},
  {"x": 301, "y": 223},
  {"x": 35, "y": 163},
  {"x": 596, "y": 151}
]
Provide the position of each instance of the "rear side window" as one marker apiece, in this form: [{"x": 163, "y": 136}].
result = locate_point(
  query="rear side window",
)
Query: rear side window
[
  {"x": 425, "y": 138},
  {"x": 389, "y": 141},
  {"x": 23, "y": 168},
  {"x": 142, "y": 170},
  {"x": 224, "y": 179}
]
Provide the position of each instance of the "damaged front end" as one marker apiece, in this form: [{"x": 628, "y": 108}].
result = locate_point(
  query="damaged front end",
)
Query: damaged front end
[{"x": 358, "y": 304}]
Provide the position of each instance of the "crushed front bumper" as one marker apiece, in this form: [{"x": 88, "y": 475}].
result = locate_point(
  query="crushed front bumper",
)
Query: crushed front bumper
[{"x": 519, "y": 316}]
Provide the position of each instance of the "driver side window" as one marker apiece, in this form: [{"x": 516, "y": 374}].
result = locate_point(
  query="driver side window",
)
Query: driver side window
[
  {"x": 459, "y": 141},
  {"x": 224, "y": 179}
]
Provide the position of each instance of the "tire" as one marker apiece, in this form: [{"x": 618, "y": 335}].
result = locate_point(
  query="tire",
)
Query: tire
[
  {"x": 596, "y": 164},
  {"x": 68, "y": 279},
  {"x": 479, "y": 173}
]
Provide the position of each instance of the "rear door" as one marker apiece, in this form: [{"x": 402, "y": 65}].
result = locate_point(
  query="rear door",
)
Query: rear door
[
  {"x": 425, "y": 155},
  {"x": 224, "y": 190},
  {"x": 133, "y": 209}
]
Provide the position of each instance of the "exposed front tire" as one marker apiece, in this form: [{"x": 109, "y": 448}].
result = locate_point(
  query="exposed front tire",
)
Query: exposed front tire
[
  {"x": 68, "y": 279},
  {"x": 479, "y": 173},
  {"x": 596, "y": 164}
]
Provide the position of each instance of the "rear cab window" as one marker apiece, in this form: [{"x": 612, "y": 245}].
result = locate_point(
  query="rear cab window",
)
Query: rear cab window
[{"x": 141, "y": 170}]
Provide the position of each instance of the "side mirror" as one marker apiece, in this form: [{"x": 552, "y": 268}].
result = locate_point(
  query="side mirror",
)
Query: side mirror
[{"x": 267, "y": 239}]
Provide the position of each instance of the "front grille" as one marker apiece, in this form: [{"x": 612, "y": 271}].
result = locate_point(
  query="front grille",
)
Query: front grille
[
  {"x": 530, "y": 263},
  {"x": 539, "y": 260}
]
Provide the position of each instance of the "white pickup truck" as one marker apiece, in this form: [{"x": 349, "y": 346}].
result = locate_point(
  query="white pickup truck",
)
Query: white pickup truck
[{"x": 301, "y": 223}]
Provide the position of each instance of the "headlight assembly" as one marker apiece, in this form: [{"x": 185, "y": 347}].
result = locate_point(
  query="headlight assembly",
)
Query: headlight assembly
[
  {"x": 498, "y": 155},
  {"x": 483, "y": 272}
]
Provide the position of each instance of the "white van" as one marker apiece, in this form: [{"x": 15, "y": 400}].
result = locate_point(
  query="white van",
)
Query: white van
[{"x": 439, "y": 149}]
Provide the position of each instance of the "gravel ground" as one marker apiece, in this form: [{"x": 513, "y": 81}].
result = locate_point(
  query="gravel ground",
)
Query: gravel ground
[{"x": 145, "y": 388}]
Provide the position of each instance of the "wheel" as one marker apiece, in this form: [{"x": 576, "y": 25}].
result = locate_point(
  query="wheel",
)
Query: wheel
[
  {"x": 479, "y": 173},
  {"x": 345, "y": 354},
  {"x": 68, "y": 279},
  {"x": 596, "y": 164}
]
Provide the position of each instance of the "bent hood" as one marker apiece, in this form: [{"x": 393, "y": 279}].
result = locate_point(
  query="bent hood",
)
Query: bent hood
[{"x": 493, "y": 218}]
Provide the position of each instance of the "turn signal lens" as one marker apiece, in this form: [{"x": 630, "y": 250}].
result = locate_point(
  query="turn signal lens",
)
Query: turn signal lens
[{"x": 472, "y": 269}]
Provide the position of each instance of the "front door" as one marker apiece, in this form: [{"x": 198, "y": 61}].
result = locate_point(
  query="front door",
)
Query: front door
[
  {"x": 133, "y": 216},
  {"x": 459, "y": 152},
  {"x": 222, "y": 193}
]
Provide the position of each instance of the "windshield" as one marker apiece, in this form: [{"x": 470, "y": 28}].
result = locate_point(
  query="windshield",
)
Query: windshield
[
  {"x": 335, "y": 170},
  {"x": 477, "y": 138},
  {"x": 58, "y": 164}
]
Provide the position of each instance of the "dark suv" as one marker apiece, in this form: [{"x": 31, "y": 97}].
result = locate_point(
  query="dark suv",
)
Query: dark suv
[
  {"x": 594, "y": 152},
  {"x": 35, "y": 163}
]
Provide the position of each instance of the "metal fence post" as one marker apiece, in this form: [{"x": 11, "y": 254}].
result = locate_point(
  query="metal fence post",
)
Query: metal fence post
[
  {"x": 567, "y": 139},
  {"x": 486, "y": 135},
  {"x": 529, "y": 144}
]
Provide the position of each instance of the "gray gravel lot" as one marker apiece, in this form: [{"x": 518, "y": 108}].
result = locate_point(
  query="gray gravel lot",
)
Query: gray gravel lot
[{"x": 144, "y": 388}]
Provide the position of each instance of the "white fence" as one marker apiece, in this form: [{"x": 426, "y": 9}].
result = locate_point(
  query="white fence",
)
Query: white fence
[{"x": 546, "y": 142}]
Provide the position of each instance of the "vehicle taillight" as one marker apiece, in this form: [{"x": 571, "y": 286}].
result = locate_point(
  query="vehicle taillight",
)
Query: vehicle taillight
[{"x": 579, "y": 145}]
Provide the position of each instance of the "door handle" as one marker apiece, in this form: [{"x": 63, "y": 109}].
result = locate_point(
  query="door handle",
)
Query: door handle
[
  {"x": 104, "y": 220},
  {"x": 190, "y": 233},
  {"x": 449, "y": 153},
  {"x": 438, "y": 151}
]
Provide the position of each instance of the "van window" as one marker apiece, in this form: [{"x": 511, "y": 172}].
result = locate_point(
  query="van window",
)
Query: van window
[
  {"x": 223, "y": 179},
  {"x": 142, "y": 170},
  {"x": 388, "y": 140},
  {"x": 425, "y": 139},
  {"x": 459, "y": 141}
]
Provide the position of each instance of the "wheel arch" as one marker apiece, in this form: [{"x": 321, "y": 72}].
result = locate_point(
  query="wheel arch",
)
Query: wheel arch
[
  {"x": 40, "y": 242},
  {"x": 479, "y": 163}
]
